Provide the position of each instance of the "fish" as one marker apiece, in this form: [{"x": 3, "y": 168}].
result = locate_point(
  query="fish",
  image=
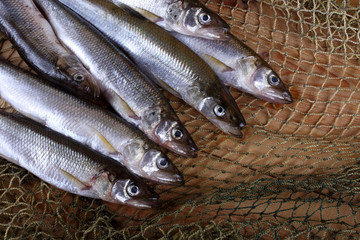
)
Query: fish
[
  {"x": 189, "y": 17},
  {"x": 37, "y": 44},
  {"x": 165, "y": 60},
  {"x": 69, "y": 165},
  {"x": 132, "y": 95},
  {"x": 87, "y": 123},
  {"x": 240, "y": 67}
]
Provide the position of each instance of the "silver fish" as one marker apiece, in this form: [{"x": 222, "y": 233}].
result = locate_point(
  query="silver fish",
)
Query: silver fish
[
  {"x": 38, "y": 45},
  {"x": 189, "y": 17},
  {"x": 130, "y": 93},
  {"x": 169, "y": 62},
  {"x": 239, "y": 66},
  {"x": 69, "y": 165},
  {"x": 86, "y": 123}
]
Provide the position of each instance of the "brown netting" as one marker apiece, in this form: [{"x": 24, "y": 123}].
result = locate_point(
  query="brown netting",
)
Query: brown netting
[{"x": 295, "y": 173}]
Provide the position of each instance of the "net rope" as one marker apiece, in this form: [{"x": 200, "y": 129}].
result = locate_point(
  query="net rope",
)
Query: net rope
[{"x": 294, "y": 175}]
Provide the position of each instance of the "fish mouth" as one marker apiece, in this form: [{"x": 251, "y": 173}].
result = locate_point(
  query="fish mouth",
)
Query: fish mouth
[
  {"x": 216, "y": 33},
  {"x": 170, "y": 179},
  {"x": 275, "y": 97},
  {"x": 149, "y": 199},
  {"x": 287, "y": 98},
  {"x": 228, "y": 128},
  {"x": 185, "y": 150},
  {"x": 144, "y": 203}
]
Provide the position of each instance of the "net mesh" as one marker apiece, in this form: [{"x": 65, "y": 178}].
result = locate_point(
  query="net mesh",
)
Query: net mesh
[{"x": 294, "y": 174}]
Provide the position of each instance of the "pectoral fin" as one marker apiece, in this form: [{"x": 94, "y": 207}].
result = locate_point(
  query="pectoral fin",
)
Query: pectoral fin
[
  {"x": 35, "y": 118},
  {"x": 149, "y": 15},
  {"x": 165, "y": 86},
  {"x": 79, "y": 184},
  {"x": 249, "y": 60},
  {"x": 216, "y": 63},
  {"x": 65, "y": 62},
  {"x": 106, "y": 144},
  {"x": 61, "y": 63},
  {"x": 122, "y": 106}
]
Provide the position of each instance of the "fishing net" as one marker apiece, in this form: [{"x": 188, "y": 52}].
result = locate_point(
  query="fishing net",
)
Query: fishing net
[{"x": 295, "y": 174}]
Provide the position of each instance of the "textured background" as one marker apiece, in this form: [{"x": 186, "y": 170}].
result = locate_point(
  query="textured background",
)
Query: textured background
[{"x": 294, "y": 174}]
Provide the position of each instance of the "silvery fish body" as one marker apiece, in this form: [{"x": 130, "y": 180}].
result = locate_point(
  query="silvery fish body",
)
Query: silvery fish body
[
  {"x": 189, "y": 17},
  {"x": 37, "y": 43},
  {"x": 129, "y": 92},
  {"x": 169, "y": 62},
  {"x": 86, "y": 123},
  {"x": 69, "y": 165},
  {"x": 239, "y": 66}
]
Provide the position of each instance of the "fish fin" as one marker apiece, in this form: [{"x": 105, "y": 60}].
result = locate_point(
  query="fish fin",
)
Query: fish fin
[
  {"x": 125, "y": 107},
  {"x": 5, "y": 108},
  {"x": 42, "y": 121},
  {"x": 10, "y": 159},
  {"x": 130, "y": 11},
  {"x": 217, "y": 64},
  {"x": 149, "y": 15},
  {"x": 165, "y": 86},
  {"x": 62, "y": 63},
  {"x": 249, "y": 59},
  {"x": 76, "y": 181},
  {"x": 110, "y": 148}
]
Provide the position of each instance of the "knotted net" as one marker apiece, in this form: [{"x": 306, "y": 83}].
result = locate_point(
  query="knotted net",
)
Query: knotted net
[{"x": 295, "y": 174}]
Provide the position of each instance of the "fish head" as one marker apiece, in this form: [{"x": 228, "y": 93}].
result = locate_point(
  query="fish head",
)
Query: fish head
[
  {"x": 269, "y": 86},
  {"x": 86, "y": 83},
  {"x": 223, "y": 112},
  {"x": 134, "y": 193},
  {"x": 118, "y": 185},
  {"x": 165, "y": 129},
  {"x": 194, "y": 18},
  {"x": 81, "y": 78},
  {"x": 261, "y": 81},
  {"x": 148, "y": 161},
  {"x": 158, "y": 167}
]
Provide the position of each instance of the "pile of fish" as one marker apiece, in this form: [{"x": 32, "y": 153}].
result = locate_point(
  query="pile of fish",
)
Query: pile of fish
[{"x": 119, "y": 50}]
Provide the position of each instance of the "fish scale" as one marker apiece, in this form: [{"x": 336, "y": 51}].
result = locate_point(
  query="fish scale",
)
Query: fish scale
[
  {"x": 49, "y": 147},
  {"x": 239, "y": 66},
  {"x": 50, "y": 155},
  {"x": 165, "y": 59},
  {"x": 25, "y": 22},
  {"x": 84, "y": 122},
  {"x": 183, "y": 16},
  {"x": 129, "y": 92},
  {"x": 38, "y": 45},
  {"x": 131, "y": 89}
]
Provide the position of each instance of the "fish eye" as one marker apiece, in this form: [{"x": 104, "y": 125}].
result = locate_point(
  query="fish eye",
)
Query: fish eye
[
  {"x": 204, "y": 18},
  {"x": 274, "y": 80},
  {"x": 162, "y": 163},
  {"x": 219, "y": 111},
  {"x": 79, "y": 77},
  {"x": 132, "y": 189},
  {"x": 177, "y": 133}
]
